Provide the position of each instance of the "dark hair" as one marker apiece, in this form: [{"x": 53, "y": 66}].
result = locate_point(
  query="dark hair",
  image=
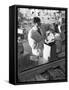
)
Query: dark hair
[{"x": 36, "y": 20}]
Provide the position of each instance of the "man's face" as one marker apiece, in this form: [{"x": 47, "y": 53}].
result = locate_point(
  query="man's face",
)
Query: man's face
[{"x": 37, "y": 25}]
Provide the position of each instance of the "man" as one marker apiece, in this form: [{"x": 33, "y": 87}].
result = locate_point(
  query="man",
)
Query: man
[
  {"x": 58, "y": 35},
  {"x": 34, "y": 36},
  {"x": 36, "y": 39}
]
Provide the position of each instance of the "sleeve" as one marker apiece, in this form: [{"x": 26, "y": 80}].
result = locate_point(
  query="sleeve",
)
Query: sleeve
[{"x": 32, "y": 42}]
